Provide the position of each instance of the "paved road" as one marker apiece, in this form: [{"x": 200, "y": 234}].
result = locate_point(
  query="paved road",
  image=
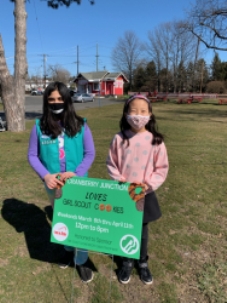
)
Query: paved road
[{"x": 34, "y": 103}]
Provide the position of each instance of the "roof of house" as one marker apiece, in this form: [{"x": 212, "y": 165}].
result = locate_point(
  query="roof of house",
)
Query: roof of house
[
  {"x": 101, "y": 75},
  {"x": 93, "y": 76},
  {"x": 114, "y": 76}
]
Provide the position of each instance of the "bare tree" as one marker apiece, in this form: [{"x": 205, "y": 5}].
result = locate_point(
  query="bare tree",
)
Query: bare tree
[
  {"x": 169, "y": 46},
  {"x": 207, "y": 20},
  {"x": 159, "y": 48},
  {"x": 184, "y": 48},
  {"x": 58, "y": 73},
  {"x": 126, "y": 55},
  {"x": 13, "y": 86}
]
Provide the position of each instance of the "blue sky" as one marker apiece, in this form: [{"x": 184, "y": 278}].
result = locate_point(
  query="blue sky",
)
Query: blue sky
[{"x": 57, "y": 33}]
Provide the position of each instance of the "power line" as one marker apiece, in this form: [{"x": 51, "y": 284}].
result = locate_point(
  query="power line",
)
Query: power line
[
  {"x": 77, "y": 60},
  {"x": 97, "y": 57},
  {"x": 77, "y": 54},
  {"x": 38, "y": 25}
]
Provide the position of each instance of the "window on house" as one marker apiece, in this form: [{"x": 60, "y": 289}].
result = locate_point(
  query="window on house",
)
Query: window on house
[{"x": 96, "y": 85}]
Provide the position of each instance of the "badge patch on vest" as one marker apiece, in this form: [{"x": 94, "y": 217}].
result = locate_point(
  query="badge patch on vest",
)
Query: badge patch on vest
[{"x": 45, "y": 137}]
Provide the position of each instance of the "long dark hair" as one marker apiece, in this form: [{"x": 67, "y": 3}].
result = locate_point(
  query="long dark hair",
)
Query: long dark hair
[
  {"x": 69, "y": 120},
  {"x": 151, "y": 126}
]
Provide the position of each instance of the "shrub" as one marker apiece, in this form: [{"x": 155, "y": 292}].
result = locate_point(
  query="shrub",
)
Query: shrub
[{"x": 217, "y": 87}]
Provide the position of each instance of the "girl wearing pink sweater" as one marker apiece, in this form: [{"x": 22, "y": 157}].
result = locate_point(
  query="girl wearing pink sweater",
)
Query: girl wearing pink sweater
[{"x": 138, "y": 155}]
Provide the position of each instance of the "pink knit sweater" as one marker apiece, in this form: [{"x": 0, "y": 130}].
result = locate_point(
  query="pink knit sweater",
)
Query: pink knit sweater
[{"x": 140, "y": 161}]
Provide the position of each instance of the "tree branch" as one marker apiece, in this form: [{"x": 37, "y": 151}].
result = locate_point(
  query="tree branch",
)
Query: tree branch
[{"x": 207, "y": 44}]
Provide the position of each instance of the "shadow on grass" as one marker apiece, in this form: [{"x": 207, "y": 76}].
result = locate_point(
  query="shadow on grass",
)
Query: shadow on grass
[
  {"x": 118, "y": 261},
  {"x": 32, "y": 221}
]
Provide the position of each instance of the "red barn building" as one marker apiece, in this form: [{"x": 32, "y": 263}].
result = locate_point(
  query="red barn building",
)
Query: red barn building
[{"x": 102, "y": 82}]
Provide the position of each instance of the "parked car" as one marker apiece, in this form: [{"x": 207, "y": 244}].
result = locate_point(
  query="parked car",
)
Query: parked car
[
  {"x": 36, "y": 92},
  {"x": 82, "y": 97},
  {"x": 2, "y": 125}
]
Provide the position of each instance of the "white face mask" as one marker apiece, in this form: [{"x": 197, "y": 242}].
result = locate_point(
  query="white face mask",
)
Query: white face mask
[{"x": 137, "y": 121}]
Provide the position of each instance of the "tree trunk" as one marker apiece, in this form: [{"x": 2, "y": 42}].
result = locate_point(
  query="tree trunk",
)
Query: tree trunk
[
  {"x": 6, "y": 83},
  {"x": 13, "y": 88},
  {"x": 20, "y": 71}
]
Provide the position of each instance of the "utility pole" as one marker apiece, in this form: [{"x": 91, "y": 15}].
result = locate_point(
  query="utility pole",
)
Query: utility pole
[
  {"x": 44, "y": 70},
  {"x": 97, "y": 58},
  {"x": 201, "y": 76},
  {"x": 77, "y": 60}
]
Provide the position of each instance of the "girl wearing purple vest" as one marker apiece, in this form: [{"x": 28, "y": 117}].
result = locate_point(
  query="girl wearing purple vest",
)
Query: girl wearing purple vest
[{"x": 60, "y": 147}]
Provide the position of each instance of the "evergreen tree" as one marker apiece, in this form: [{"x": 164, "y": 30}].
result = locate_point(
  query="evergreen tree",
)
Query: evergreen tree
[
  {"x": 190, "y": 77},
  {"x": 181, "y": 77},
  {"x": 224, "y": 71},
  {"x": 151, "y": 76},
  {"x": 139, "y": 78},
  {"x": 216, "y": 68},
  {"x": 165, "y": 80}
]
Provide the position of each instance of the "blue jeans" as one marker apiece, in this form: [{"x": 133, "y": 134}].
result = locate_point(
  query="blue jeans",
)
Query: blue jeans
[{"x": 80, "y": 255}]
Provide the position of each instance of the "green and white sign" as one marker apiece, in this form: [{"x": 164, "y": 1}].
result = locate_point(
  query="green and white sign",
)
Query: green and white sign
[{"x": 99, "y": 215}]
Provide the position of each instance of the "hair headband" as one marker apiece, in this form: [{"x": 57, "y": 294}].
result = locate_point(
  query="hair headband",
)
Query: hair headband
[{"x": 137, "y": 96}]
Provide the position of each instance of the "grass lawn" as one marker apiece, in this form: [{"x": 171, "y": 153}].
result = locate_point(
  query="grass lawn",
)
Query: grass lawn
[{"x": 187, "y": 246}]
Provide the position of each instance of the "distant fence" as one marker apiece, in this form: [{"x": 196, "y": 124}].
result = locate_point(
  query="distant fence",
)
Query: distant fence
[{"x": 178, "y": 95}]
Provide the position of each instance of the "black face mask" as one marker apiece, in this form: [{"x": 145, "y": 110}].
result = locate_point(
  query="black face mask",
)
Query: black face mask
[{"x": 56, "y": 108}]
